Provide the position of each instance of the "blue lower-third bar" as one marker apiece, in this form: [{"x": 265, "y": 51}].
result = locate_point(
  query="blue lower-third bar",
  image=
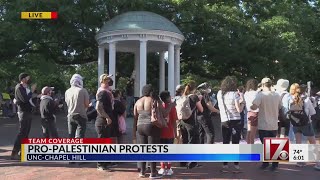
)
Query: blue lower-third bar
[{"x": 145, "y": 157}]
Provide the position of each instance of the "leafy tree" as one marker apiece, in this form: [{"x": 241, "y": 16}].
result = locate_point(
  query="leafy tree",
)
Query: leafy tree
[{"x": 259, "y": 38}]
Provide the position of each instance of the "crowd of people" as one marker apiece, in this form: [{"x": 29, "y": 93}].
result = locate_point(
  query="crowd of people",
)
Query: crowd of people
[{"x": 259, "y": 109}]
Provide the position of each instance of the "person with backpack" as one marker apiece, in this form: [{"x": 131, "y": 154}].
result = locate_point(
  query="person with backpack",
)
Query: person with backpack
[
  {"x": 299, "y": 114},
  {"x": 283, "y": 124},
  {"x": 169, "y": 133},
  {"x": 204, "y": 118},
  {"x": 187, "y": 107},
  {"x": 149, "y": 130},
  {"x": 252, "y": 115},
  {"x": 269, "y": 104},
  {"x": 230, "y": 105}
]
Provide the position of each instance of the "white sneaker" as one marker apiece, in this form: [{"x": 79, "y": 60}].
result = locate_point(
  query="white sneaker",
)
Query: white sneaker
[
  {"x": 162, "y": 171},
  {"x": 225, "y": 169},
  {"x": 317, "y": 166},
  {"x": 237, "y": 169},
  {"x": 169, "y": 172}
]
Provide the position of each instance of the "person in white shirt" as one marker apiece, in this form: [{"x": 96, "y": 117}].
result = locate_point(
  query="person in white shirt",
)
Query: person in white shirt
[
  {"x": 230, "y": 105},
  {"x": 252, "y": 115}
]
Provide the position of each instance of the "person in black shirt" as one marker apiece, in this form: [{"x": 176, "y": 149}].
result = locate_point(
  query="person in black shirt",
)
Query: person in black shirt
[
  {"x": 22, "y": 98},
  {"x": 47, "y": 110},
  {"x": 204, "y": 118},
  {"x": 105, "y": 117}
]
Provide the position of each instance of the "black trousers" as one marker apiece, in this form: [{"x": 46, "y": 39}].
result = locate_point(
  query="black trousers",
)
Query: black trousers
[
  {"x": 205, "y": 129},
  {"x": 284, "y": 125},
  {"x": 103, "y": 131},
  {"x": 190, "y": 135},
  {"x": 49, "y": 128},
  {"x": 25, "y": 120},
  {"x": 262, "y": 135},
  {"x": 148, "y": 134},
  {"x": 231, "y": 130}
]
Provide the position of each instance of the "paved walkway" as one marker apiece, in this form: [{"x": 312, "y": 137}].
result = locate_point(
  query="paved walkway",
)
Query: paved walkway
[{"x": 38, "y": 171}]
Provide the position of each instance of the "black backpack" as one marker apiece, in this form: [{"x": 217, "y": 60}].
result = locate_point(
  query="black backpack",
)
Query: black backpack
[{"x": 298, "y": 117}]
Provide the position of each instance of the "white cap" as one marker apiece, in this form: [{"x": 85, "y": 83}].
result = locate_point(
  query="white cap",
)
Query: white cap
[
  {"x": 282, "y": 85},
  {"x": 104, "y": 76}
]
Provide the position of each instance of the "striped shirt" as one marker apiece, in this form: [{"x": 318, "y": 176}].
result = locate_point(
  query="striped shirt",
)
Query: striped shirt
[{"x": 231, "y": 112}]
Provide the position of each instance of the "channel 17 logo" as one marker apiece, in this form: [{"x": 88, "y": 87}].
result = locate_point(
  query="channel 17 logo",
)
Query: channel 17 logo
[{"x": 276, "y": 149}]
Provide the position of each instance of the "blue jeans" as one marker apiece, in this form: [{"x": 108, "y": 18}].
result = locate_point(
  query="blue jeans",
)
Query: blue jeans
[{"x": 292, "y": 137}]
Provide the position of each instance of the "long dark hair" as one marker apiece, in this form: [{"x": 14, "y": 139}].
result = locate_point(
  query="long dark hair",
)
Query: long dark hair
[
  {"x": 252, "y": 84},
  {"x": 191, "y": 86},
  {"x": 228, "y": 84},
  {"x": 164, "y": 96}
]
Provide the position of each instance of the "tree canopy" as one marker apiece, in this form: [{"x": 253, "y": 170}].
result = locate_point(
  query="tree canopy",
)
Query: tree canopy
[{"x": 245, "y": 38}]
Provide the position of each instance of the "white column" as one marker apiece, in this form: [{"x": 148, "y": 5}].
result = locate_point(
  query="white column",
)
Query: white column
[
  {"x": 137, "y": 74},
  {"x": 177, "y": 66},
  {"x": 100, "y": 63},
  {"x": 112, "y": 62},
  {"x": 171, "y": 83},
  {"x": 162, "y": 72},
  {"x": 143, "y": 64}
]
